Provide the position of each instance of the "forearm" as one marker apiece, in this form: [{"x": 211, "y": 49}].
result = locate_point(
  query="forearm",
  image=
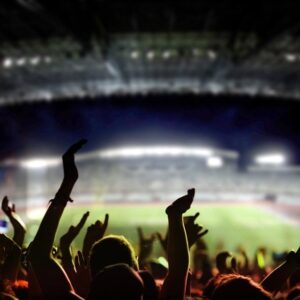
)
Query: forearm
[
  {"x": 19, "y": 237},
  {"x": 12, "y": 263},
  {"x": 67, "y": 263},
  {"x": 177, "y": 250},
  {"x": 86, "y": 248},
  {"x": 274, "y": 281},
  {"x": 44, "y": 239},
  {"x": 178, "y": 257},
  {"x": 19, "y": 232}
]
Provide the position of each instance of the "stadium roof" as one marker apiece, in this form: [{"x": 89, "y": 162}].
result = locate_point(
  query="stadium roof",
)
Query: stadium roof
[
  {"x": 127, "y": 153},
  {"x": 66, "y": 49}
]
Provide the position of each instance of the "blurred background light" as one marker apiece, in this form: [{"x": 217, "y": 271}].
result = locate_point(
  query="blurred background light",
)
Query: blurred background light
[
  {"x": 271, "y": 159},
  {"x": 215, "y": 162}
]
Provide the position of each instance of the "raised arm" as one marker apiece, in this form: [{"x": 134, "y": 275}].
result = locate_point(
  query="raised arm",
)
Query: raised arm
[
  {"x": 94, "y": 233},
  {"x": 44, "y": 238},
  {"x": 278, "y": 277},
  {"x": 11, "y": 263},
  {"x": 145, "y": 247},
  {"x": 193, "y": 230},
  {"x": 174, "y": 286},
  {"x": 51, "y": 277},
  {"x": 65, "y": 247},
  {"x": 16, "y": 221}
]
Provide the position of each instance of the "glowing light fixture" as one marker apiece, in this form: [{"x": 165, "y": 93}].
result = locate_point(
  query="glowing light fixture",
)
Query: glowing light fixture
[
  {"x": 290, "y": 57},
  {"x": 214, "y": 162},
  {"x": 270, "y": 159},
  {"x": 7, "y": 62},
  {"x": 35, "y": 60},
  {"x": 39, "y": 163},
  {"x": 212, "y": 55},
  {"x": 150, "y": 54},
  {"x": 166, "y": 54},
  {"x": 155, "y": 151},
  {"x": 135, "y": 54},
  {"x": 21, "y": 61}
]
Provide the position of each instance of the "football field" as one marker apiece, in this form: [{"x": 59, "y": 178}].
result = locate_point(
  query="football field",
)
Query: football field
[{"x": 232, "y": 225}]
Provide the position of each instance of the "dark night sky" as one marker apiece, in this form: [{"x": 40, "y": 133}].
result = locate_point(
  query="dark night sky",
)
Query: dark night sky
[{"x": 242, "y": 124}]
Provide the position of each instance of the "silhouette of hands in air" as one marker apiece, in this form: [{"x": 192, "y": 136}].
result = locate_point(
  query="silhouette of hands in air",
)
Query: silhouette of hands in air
[{"x": 17, "y": 223}]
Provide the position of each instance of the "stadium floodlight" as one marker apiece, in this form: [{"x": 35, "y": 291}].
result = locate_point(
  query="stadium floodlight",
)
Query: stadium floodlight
[
  {"x": 166, "y": 54},
  {"x": 290, "y": 57},
  {"x": 7, "y": 62},
  {"x": 270, "y": 159},
  {"x": 134, "y": 54},
  {"x": 214, "y": 162},
  {"x": 212, "y": 55},
  {"x": 39, "y": 163},
  {"x": 35, "y": 60},
  {"x": 150, "y": 55},
  {"x": 21, "y": 61},
  {"x": 155, "y": 151}
]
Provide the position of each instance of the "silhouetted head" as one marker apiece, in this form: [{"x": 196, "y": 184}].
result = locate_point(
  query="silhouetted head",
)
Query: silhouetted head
[
  {"x": 117, "y": 282},
  {"x": 112, "y": 250},
  {"x": 239, "y": 287}
]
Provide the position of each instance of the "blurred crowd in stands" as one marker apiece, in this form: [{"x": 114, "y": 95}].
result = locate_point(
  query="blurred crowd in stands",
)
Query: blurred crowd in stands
[{"x": 108, "y": 268}]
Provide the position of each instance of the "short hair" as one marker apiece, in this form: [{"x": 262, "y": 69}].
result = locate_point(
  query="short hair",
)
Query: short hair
[
  {"x": 113, "y": 249},
  {"x": 116, "y": 282},
  {"x": 239, "y": 287}
]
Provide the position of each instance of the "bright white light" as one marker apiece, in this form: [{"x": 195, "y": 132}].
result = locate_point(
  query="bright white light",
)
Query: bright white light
[
  {"x": 135, "y": 54},
  {"x": 7, "y": 62},
  {"x": 290, "y": 57},
  {"x": 155, "y": 151},
  {"x": 21, "y": 61},
  {"x": 214, "y": 162},
  {"x": 39, "y": 163},
  {"x": 270, "y": 159},
  {"x": 166, "y": 54},
  {"x": 212, "y": 55},
  {"x": 35, "y": 214},
  {"x": 35, "y": 60},
  {"x": 150, "y": 54}
]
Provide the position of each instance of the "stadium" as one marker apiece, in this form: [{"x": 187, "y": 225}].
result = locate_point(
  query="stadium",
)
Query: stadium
[
  {"x": 143, "y": 179},
  {"x": 171, "y": 95}
]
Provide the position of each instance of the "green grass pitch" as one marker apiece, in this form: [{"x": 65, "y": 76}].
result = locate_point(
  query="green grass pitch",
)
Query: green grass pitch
[{"x": 230, "y": 224}]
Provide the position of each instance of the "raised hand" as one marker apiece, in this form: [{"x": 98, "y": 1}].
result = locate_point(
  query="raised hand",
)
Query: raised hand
[
  {"x": 65, "y": 247},
  {"x": 94, "y": 233},
  {"x": 182, "y": 204},
  {"x": 222, "y": 266},
  {"x": 175, "y": 284},
  {"x": 193, "y": 230},
  {"x": 163, "y": 240},
  {"x": 70, "y": 171},
  {"x": 68, "y": 237},
  {"x": 17, "y": 223},
  {"x": 55, "y": 283},
  {"x": 145, "y": 245}
]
